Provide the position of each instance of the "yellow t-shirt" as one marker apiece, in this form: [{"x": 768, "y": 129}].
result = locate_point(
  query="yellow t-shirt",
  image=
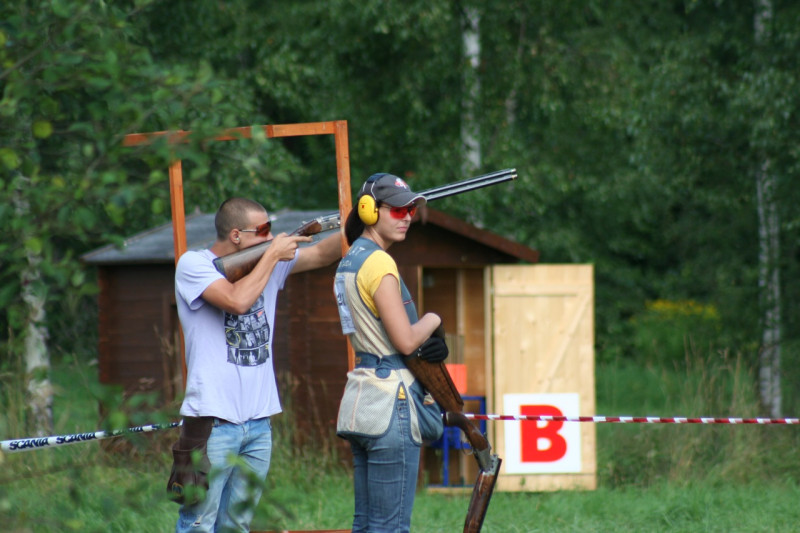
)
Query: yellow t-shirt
[{"x": 378, "y": 265}]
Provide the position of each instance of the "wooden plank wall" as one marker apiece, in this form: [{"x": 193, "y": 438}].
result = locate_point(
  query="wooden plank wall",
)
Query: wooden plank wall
[
  {"x": 456, "y": 294},
  {"x": 543, "y": 342},
  {"x": 311, "y": 354},
  {"x": 135, "y": 317}
]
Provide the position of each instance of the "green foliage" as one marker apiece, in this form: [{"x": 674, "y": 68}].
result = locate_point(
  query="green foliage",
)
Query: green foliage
[
  {"x": 74, "y": 82},
  {"x": 667, "y": 333},
  {"x": 637, "y": 132}
]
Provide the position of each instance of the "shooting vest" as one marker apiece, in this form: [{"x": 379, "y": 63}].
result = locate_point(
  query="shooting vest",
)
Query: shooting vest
[{"x": 379, "y": 376}]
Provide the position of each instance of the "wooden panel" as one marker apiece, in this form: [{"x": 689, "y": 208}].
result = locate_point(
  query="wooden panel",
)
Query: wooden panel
[
  {"x": 131, "y": 308},
  {"x": 280, "y": 342},
  {"x": 432, "y": 246},
  {"x": 439, "y": 296},
  {"x": 473, "y": 329},
  {"x": 311, "y": 354},
  {"x": 543, "y": 342},
  {"x": 456, "y": 294},
  {"x": 105, "y": 352}
]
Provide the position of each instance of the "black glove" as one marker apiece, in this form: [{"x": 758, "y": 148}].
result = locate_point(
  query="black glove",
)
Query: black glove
[
  {"x": 188, "y": 479},
  {"x": 433, "y": 350}
]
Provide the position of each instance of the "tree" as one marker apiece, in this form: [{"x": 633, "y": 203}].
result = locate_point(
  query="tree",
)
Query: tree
[
  {"x": 768, "y": 257},
  {"x": 637, "y": 131},
  {"x": 469, "y": 128},
  {"x": 74, "y": 83}
]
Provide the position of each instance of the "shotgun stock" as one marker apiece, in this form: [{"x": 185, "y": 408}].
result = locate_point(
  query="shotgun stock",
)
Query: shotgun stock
[
  {"x": 237, "y": 265},
  {"x": 436, "y": 379}
]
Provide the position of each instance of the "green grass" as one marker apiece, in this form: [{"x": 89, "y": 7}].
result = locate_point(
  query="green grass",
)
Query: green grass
[
  {"x": 699, "y": 507},
  {"x": 125, "y": 499},
  {"x": 651, "y": 477}
]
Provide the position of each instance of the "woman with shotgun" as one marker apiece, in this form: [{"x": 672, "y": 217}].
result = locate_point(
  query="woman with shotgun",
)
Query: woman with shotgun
[{"x": 378, "y": 414}]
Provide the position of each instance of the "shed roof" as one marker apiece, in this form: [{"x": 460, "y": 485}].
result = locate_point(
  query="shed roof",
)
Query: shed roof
[{"x": 156, "y": 245}]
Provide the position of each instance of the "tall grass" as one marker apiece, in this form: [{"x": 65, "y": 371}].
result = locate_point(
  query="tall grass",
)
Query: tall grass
[
  {"x": 673, "y": 363},
  {"x": 118, "y": 485},
  {"x": 652, "y": 477},
  {"x": 718, "y": 385}
]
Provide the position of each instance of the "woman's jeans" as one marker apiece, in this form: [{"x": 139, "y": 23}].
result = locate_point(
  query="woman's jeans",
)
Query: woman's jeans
[
  {"x": 239, "y": 456},
  {"x": 385, "y": 476}
]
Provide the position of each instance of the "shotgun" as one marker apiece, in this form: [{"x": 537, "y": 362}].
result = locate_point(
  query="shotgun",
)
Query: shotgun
[
  {"x": 436, "y": 379},
  {"x": 238, "y": 264}
]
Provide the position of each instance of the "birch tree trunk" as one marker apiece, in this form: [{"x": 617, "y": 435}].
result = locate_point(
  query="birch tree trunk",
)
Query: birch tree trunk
[
  {"x": 768, "y": 257},
  {"x": 36, "y": 354},
  {"x": 470, "y": 137}
]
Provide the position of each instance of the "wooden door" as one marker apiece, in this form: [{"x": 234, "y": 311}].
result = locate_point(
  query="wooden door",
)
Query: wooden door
[{"x": 541, "y": 319}]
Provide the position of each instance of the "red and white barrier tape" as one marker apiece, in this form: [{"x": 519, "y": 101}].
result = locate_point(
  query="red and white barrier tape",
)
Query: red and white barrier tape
[
  {"x": 38, "y": 443},
  {"x": 638, "y": 419}
]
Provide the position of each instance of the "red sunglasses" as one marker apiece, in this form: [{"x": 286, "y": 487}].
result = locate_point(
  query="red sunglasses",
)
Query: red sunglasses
[
  {"x": 262, "y": 230},
  {"x": 400, "y": 212}
]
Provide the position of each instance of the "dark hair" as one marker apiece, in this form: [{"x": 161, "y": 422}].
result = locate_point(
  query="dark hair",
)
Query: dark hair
[
  {"x": 353, "y": 227},
  {"x": 233, "y": 214}
]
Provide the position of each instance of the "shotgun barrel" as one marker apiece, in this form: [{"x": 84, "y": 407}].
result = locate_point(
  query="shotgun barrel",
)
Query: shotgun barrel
[
  {"x": 470, "y": 184},
  {"x": 238, "y": 264}
]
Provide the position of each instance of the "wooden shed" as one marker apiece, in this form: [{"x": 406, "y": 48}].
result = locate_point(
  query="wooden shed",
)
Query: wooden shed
[
  {"x": 521, "y": 339},
  {"x": 443, "y": 262}
]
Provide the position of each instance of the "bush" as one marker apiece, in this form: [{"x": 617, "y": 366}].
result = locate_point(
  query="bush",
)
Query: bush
[{"x": 667, "y": 333}]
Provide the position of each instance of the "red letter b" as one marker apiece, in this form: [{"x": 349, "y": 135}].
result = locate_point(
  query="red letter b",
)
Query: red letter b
[{"x": 554, "y": 445}]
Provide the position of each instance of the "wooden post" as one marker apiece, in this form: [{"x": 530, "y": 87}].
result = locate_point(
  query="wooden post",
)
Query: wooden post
[
  {"x": 345, "y": 202},
  {"x": 178, "y": 235}
]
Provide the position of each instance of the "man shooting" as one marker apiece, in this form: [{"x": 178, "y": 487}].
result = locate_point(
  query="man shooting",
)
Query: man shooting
[{"x": 231, "y": 391}]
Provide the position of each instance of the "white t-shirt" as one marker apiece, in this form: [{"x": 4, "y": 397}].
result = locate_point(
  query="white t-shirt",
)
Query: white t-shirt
[{"x": 230, "y": 373}]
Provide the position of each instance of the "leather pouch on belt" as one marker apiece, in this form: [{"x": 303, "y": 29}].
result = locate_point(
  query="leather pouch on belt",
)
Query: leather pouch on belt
[{"x": 188, "y": 480}]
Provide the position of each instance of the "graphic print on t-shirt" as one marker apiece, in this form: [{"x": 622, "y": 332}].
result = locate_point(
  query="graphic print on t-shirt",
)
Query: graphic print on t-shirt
[{"x": 248, "y": 336}]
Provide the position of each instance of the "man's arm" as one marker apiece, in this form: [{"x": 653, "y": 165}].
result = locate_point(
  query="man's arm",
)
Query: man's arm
[
  {"x": 319, "y": 255},
  {"x": 240, "y": 296}
]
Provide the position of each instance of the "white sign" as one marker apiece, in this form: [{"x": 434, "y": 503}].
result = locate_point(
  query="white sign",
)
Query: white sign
[{"x": 542, "y": 447}]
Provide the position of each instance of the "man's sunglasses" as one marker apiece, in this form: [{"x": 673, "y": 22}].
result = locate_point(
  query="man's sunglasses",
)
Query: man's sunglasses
[
  {"x": 262, "y": 230},
  {"x": 400, "y": 212}
]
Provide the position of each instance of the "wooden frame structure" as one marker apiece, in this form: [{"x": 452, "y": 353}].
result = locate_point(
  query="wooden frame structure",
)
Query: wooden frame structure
[{"x": 337, "y": 128}]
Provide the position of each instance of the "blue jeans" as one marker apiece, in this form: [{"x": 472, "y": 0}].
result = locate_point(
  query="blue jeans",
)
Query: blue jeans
[
  {"x": 385, "y": 476},
  {"x": 231, "y": 498}
]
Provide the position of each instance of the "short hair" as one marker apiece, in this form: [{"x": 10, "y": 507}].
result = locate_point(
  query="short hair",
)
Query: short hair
[{"x": 232, "y": 214}]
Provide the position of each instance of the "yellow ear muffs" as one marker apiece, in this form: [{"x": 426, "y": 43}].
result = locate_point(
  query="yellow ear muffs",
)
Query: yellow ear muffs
[
  {"x": 367, "y": 205},
  {"x": 368, "y": 210}
]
